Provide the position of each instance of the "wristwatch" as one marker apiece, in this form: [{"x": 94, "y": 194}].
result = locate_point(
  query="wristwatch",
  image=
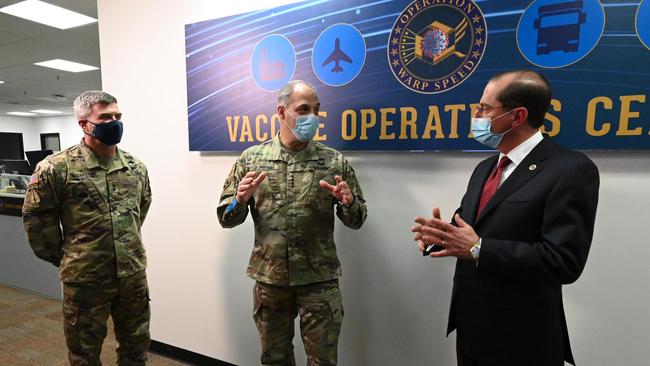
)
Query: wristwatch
[{"x": 476, "y": 249}]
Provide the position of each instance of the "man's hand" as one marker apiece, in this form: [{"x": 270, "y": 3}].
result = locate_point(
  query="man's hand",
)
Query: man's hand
[
  {"x": 248, "y": 186},
  {"x": 340, "y": 191},
  {"x": 457, "y": 240},
  {"x": 419, "y": 234}
]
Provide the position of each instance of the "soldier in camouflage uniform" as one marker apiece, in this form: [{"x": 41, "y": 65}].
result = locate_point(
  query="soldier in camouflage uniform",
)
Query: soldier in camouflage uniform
[
  {"x": 83, "y": 212},
  {"x": 292, "y": 186}
]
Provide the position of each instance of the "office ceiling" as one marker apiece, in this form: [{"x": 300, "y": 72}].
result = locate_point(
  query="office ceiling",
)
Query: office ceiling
[{"x": 22, "y": 42}]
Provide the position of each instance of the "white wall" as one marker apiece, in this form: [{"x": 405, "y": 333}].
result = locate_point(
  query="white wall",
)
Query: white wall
[
  {"x": 24, "y": 125},
  {"x": 69, "y": 131},
  {"x": 396, "y": 302},
  {"x": 32, "y": 128}
]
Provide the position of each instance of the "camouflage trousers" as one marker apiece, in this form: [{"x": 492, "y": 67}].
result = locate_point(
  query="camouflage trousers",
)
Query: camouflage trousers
[
  {"x": 86, "y": 307},
  {"x": 321, "y": 315}
]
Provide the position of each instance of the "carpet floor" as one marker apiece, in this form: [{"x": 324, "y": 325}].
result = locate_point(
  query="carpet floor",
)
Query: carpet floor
[{"x": 31, "y": 332}]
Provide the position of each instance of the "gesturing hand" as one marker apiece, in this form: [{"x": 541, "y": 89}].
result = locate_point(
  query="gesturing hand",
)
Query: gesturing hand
[
  {"x": 248, "y": 185},
  {"x": 419, "y": 231},
  {"x": 457, "y": 240},
  {"x": 340, "y": 191}
]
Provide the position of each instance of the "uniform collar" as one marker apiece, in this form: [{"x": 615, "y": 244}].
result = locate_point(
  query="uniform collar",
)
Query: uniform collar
[
  {"x": 92, "y": 162},
  {"x": 279, "y": 152}
]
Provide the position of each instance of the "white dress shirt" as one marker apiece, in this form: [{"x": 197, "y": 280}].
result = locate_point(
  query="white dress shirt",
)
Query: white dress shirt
[{"x": 518, "y": 154}]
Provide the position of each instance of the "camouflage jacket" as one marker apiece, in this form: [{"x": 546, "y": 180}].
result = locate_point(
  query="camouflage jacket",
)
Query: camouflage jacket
[
  {"x": 85, "y": 218},
  {"x": 293, "y": 216}
]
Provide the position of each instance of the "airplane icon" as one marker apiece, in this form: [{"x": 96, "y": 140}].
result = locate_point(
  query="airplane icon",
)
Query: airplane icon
[{"x": 337, "y": 56}]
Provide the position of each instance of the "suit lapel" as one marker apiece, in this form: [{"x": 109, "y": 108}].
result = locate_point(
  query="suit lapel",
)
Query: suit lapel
[
  {"x": 532, "y": 164},
  {"x": 475, "y": 190}
]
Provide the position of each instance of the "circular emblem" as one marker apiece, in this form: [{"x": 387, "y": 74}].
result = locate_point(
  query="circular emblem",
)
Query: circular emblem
[
  {"x": 643, "y": 23},
  {"x": 273, "y": 62},
  {"x": 338, "y": 54},
  {"x": 434, "y": 47},
  {"x": 558, "y": 33}
]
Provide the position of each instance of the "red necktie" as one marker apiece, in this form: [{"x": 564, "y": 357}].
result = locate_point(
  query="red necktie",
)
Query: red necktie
[{"x": 492, "y": 184}]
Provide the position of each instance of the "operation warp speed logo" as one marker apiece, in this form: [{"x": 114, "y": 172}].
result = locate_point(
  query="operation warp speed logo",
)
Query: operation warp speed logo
[{"x": 435, "y": 45}]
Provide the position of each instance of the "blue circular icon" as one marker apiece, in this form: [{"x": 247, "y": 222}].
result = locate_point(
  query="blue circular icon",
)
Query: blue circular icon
[
  {"x": 643, "y": 23},
  {"x": 338, "y": 55},
  {"x": 273, "y": 62},
  {"x": 557, "y": 33}
]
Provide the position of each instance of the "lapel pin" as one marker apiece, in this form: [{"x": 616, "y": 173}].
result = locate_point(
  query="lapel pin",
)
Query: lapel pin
[{"x": 532, "y": 167}]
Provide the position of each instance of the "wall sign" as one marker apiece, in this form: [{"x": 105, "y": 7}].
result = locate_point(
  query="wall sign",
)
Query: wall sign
[{"x": 407, "y": 75}]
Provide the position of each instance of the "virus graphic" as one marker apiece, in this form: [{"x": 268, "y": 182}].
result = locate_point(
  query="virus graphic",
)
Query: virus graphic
[{"x": 434, "y": 42}]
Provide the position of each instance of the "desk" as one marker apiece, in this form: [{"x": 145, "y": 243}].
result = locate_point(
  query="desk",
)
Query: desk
[{"x": 19, "y": 267}]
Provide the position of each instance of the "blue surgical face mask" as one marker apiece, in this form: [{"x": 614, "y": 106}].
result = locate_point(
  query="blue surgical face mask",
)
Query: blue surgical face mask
[
  {"x": 482, "y": 130},
  {"x": 109, "y": 133},
  {"x": 306, "y": 127}
]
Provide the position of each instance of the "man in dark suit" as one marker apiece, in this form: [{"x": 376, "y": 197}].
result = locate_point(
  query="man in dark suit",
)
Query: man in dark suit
[{"x": 523, "y": 229}]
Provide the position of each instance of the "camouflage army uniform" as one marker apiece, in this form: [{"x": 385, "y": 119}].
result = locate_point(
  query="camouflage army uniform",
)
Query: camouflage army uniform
[
  {"x": 294, "y": 258},
  {"x": 83, "y": 214}
]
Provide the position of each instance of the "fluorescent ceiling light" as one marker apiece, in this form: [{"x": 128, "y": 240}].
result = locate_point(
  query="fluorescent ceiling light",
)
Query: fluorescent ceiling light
[
  {"x": 22, "y": 114},
  {"x": 48, "y": 14},
  {"x": 45, "y": 111},
  {"x": 2, "y": 82},
  {"x": 66, "y": 65}
]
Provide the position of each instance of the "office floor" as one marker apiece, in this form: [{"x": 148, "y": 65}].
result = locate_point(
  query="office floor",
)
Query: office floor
[{"x": 31, "y": 332}]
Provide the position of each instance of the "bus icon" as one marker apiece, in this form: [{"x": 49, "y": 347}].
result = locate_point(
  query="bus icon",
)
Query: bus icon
[{"x": 558, "y": 27}]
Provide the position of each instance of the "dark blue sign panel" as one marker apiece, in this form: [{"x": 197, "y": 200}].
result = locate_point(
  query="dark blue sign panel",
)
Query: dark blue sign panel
[{"x": 401, "y": 75}]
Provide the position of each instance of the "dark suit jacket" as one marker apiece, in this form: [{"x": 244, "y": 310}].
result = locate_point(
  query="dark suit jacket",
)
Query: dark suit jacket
[{"x": 536, "y": 233}]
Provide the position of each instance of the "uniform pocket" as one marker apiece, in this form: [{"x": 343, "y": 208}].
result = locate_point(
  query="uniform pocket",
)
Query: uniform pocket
[
  {"x": 309, "y": 191},
  {"x": 126, "y": 191},
  {"x": 336, "y": 308},
  {"x": 276, "y": 189},
  {"x": 257, "y": 301},
  {"x": 70, "y": 314},
  {"x": 84, "y": 190}
]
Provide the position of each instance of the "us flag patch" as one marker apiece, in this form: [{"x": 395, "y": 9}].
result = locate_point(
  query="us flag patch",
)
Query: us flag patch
[{"x": 33, "y": 179}]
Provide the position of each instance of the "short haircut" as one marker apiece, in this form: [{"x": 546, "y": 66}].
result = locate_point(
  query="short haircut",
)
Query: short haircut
[
  {"x": 284, "y": 95},
  {"x": 84, "y": 103},
  {"x": 528, "y": 89}
]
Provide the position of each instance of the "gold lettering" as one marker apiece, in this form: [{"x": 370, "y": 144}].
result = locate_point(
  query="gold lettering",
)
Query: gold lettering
[
  {"x": 454, "y": 109},
  {"x": 348, "y": 125},
  {"x": 368, "y": 120},
  {"x": 433, "y": 123},
  {"x": 410, "y": 11},
  {"x": 385, "y": 123},
  {"x": 318, "y": 136},
  {"x": 246, "y": 130},
  {"x": 472, "y": 108},
  {"x": 233, "y": 126},
  {"x": 556, "y": 105},
  {"x": 591, "y": 116},
  {"x": 275, "y": 123},
  {"x": 409, "y": 118},
  {"x": 258, "y": 128},
  {"x": 627, "y": 114},
  {"x": 469, "y": 8}
]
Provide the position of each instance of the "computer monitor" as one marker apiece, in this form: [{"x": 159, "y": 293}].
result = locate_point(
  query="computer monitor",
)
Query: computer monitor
[
  {"x": 15, "y": 167},
  {"x": 36, "y": 156}
]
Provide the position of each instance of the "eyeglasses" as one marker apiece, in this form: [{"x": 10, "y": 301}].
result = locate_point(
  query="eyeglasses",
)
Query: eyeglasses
[{"x": 483, "y": 108}]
